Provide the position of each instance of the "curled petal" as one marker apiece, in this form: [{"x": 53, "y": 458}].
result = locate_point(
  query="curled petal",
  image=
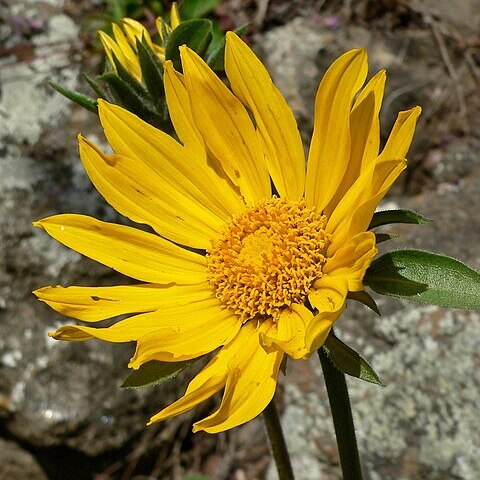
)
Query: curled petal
[
  {"x": 351, "y": 261},
  {"x": 289, "y": 335},
  {"x": 329, "y": 293}
]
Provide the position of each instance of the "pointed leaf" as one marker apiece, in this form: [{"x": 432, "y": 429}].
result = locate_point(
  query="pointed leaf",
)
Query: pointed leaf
[
  {"x": 152, "y": 71},
  {"x": 425, "y": 277},
  {"x": 82, "y": 100},
  {"x": 96, "y": 87},
  {"x": 396, "y": 216},
  {"x": 365, "y": 298},
  {"x": 349, "y": 361},
  {"x": 384, "y": 237},
  {"x": 196, "y": 34},
  {"x": 132, "y": 82},
  {"x": 126, "y": 96},
  {"x": 154, "y": 373}
]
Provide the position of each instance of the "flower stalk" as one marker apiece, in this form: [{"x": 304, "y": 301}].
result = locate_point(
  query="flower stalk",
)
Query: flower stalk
[
  {"x": 278, "y": 447},
  {"x": 342, "y": 418}
]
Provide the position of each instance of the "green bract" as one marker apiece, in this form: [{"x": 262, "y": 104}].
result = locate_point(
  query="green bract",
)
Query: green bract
[
  {"x": 154, "y": 373},
  {"x": 349, "y": 361}
]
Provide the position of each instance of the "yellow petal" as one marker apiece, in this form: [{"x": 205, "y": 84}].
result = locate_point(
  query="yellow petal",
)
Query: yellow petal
[
  {"x": 174, "y": 16},
  {"x": 211, "y": 385},
  {"x": 92, "y": 304},
  {"x": 226, "y": 128},
  {"x": 181, "y": 114},
  {"x": 130, "y": 136},
  {"x": 329, "y": 293},
  {"x": 355, "y": 210},
  {"x": 210, "y": 380},
  {"x": 319, "y": 328},
  {"x": 365, "y": 121},
  {"x": 138, "y": 192},
  {"x": 160, "y": 52},
  {"x": 351, "y": 261},
  {"x": 130, "y": 251},
  {"x": 173, "y": 333},
  {"x": 274, "y": 119},
  {"x": 111, "y": 48},
  {"x": 289, "y": 336},
  {"x": 135, "y": 30},
  {"x": 365, "y": 135},
  {"x": 252, "y": 387},
  {"x": 129, "y": 57},
  {"x": 401, "y": 135},
  {"x": 186, "y": 332},
  {"x": 362, "y": 215},
  {"x": 330, "y": 148}
]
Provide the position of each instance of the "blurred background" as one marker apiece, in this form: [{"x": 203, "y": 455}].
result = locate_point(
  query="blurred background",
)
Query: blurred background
[{"x": 62, "y": 412}]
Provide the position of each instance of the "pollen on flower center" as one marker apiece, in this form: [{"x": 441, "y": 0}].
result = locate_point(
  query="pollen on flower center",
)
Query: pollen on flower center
[{"x": 268, "y": 258}]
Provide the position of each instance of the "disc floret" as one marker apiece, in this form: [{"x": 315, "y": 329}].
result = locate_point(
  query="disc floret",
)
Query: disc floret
[{"x": 268, "y": 258}]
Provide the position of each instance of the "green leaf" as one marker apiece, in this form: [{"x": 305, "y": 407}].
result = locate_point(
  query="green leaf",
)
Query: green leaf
[
  {"x": 96, "y": 87},
  {"x": 132, "y": 82},
  {"x": 82, "y": 100},
  {"x": 190, "y": 9},
  {"x": 196, "y": 34},
  {"x": 349, "y": 361},
  {"x": 126, "y": 96},
  {"x": 154, "y": 373},
  {"x": 384, "y": 237},
  {"x": 152, "y": 70},
  {"x": 396, "y": 216},
  {"x": 365, "y": 298},
  {"x": 425, "y": 277}
]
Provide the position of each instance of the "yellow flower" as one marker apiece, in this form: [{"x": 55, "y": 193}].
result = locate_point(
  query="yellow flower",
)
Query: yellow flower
[
  {"x": 284, "y": 242},
  {"x": 123, "y": 44}
]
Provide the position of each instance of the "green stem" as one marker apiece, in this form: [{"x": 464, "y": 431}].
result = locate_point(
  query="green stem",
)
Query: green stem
[
  {"x": 278, "y": 447},
  {"x": 342, "y": 418}
]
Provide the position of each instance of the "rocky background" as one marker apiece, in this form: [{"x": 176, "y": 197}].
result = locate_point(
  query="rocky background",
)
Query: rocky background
[{"x": 62, "y": 413}]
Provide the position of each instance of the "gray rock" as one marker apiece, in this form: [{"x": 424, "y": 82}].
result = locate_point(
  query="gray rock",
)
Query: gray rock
[{"x": 18, "y": 464}]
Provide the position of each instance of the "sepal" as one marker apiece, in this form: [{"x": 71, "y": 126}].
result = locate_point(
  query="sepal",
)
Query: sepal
[
  {"x": 386, "y": 217},
  {"x": 365, "y": 298},
  {"x": 349, "y": 361},
  {"x": 384, "y": 237},
  {"x": 154, "y": 373},
  {"x": 96, "y": 87},
  {"x": 152, "y": 70},
  {"x": 196, "y": 34},
  {"x": 79, "y": 98}
]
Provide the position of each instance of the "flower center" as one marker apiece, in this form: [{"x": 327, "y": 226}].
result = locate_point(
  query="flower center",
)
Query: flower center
[{"x": 268, "y": 257}]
